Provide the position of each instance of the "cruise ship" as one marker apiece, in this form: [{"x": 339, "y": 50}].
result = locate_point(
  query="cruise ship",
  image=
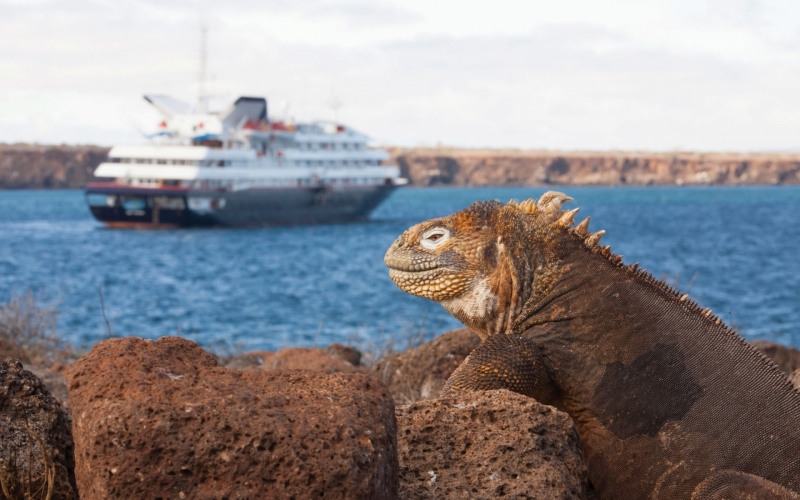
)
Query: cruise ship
[{"x": 239, "y": 168}]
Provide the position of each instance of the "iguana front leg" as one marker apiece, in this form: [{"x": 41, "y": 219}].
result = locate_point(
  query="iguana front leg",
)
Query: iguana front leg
[
  {"x": 504, "y": 362},
  {"x": 735, "y": 485}
]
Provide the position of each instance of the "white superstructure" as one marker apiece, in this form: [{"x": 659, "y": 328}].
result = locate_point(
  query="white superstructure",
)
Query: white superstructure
[{"x": 240, "y": 148}]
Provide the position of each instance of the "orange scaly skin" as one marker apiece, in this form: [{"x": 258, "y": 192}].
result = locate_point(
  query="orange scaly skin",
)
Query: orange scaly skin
[{"x": 669, "y": 402}]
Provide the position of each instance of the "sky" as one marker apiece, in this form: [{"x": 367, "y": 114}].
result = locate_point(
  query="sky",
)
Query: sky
[{"x": 707, "y": 75}]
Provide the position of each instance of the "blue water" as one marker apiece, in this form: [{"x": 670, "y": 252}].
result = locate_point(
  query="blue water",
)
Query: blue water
[{"x": 734, "y": 249}]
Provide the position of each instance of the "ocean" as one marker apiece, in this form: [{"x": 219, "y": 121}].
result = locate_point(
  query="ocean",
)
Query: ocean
[{"x": 736, "y": 250}]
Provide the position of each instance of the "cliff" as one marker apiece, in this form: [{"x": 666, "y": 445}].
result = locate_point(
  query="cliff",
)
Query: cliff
[
  {"x": 26, "y": 166},
  {"x": 35, "y": 167},
  {"x": 484, "y": 167}
]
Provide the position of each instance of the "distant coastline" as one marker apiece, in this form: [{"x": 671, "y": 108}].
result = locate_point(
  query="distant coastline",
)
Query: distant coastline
[
  {"x": 496, "y": 167},
  {"x": 27, "y": 166}
]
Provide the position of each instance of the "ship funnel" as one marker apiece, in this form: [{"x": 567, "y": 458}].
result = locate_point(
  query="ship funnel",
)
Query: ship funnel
[{"x": 245, "y": 110}]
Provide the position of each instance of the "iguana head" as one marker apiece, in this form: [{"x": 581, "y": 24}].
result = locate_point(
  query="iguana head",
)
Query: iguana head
[{"x": 485, "y": 262}]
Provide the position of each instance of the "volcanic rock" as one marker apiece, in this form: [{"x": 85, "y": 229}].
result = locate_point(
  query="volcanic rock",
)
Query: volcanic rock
[
  {"x": 36, "y": 449},
  {"x": 159, "y": 419},
  {"x": 787, "y": 358},
  {"x": 244, "y": 362},
  {"x": 345, "y": 352},
  {"x": 9, "y": 349},
  {"x": 326, "y": 360},
  {"x": 420, "y": 373},
  {"x": 487, "y": 444},
  {"x": 55, "y": 383}
]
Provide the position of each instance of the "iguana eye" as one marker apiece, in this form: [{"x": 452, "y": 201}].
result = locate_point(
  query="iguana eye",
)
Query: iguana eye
[{"x": 432, "y": 238}]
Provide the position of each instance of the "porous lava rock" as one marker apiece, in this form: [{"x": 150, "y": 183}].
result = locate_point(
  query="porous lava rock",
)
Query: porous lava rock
[
  {"x": 36, "y": 448},
  {"x": 159, "y": 419},
  {"x": 55, "y": 383},
  {"x": 787, "y": 358},
  {"x": 327, "y": 360},
  {"x": 9, "y": 349},
  {"x": 419, "y": 374},
  {"x": 488, "y": 444}
]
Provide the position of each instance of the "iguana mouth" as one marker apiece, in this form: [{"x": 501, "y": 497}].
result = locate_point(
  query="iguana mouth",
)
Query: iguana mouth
[
  {"x": 408, "y": 265},
  {"x": 435, "y": 284}
]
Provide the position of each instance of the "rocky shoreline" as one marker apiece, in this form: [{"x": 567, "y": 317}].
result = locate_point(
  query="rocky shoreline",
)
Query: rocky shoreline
[
  {"x": 165, "y": 419},
  {"x": 487, "y": 167},
  {"x": 25, "y": 166}
]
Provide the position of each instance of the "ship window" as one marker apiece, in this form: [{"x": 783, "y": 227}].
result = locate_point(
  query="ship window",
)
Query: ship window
[
  {"x": 169, "y": 202},
  {"x": 133, "y": 203},
  {"x": 101, "y": 200}
]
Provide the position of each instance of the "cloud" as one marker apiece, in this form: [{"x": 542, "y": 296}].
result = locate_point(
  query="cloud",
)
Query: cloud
[{"x": 631, "y": 75}]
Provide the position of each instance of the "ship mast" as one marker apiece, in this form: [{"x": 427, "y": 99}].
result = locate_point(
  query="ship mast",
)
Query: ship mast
[{"x": 335, "y": 104}]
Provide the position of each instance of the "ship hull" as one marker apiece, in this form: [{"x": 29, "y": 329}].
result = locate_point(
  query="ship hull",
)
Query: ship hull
[{"x": 142, "y": 208}]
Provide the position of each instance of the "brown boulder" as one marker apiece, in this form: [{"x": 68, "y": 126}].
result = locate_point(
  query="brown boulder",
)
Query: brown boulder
[
  {"x": 308, "y": 358},
  {"x": 345, "y": 352},
  {"x": 787, "y": 358},
  {"x": 795, "y": 378},
  {"x": 36, "y": 449},
  {"x": 244, "y": 362},
  {"x": 420, "y": 373},
  {"x": 160, "y": 419},
  {"x": 9, "y": 349},
  {"x": 488, "y": 444}
]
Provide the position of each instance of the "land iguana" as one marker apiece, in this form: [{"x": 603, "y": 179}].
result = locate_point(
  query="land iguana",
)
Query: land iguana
[{"x": 669, "y": 402}]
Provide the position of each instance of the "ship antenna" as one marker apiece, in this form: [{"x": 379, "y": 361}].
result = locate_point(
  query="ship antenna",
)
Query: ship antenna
[
  {"x": 201, "y": 98},
  {"x": 335, "y": 104}
]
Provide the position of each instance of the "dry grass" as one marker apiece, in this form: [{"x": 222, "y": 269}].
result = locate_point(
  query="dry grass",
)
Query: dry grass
[
  {"x": 13, "y": 484},
  {"x": 675, "y": 281},
  {"x": 224, "y": 350},
  {"x": 376, "y": 347},
  {"x": 33, "y": 327}
]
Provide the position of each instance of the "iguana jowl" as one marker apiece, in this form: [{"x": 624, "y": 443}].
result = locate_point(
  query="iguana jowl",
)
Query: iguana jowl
[{"x": 669, "y": 402}]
